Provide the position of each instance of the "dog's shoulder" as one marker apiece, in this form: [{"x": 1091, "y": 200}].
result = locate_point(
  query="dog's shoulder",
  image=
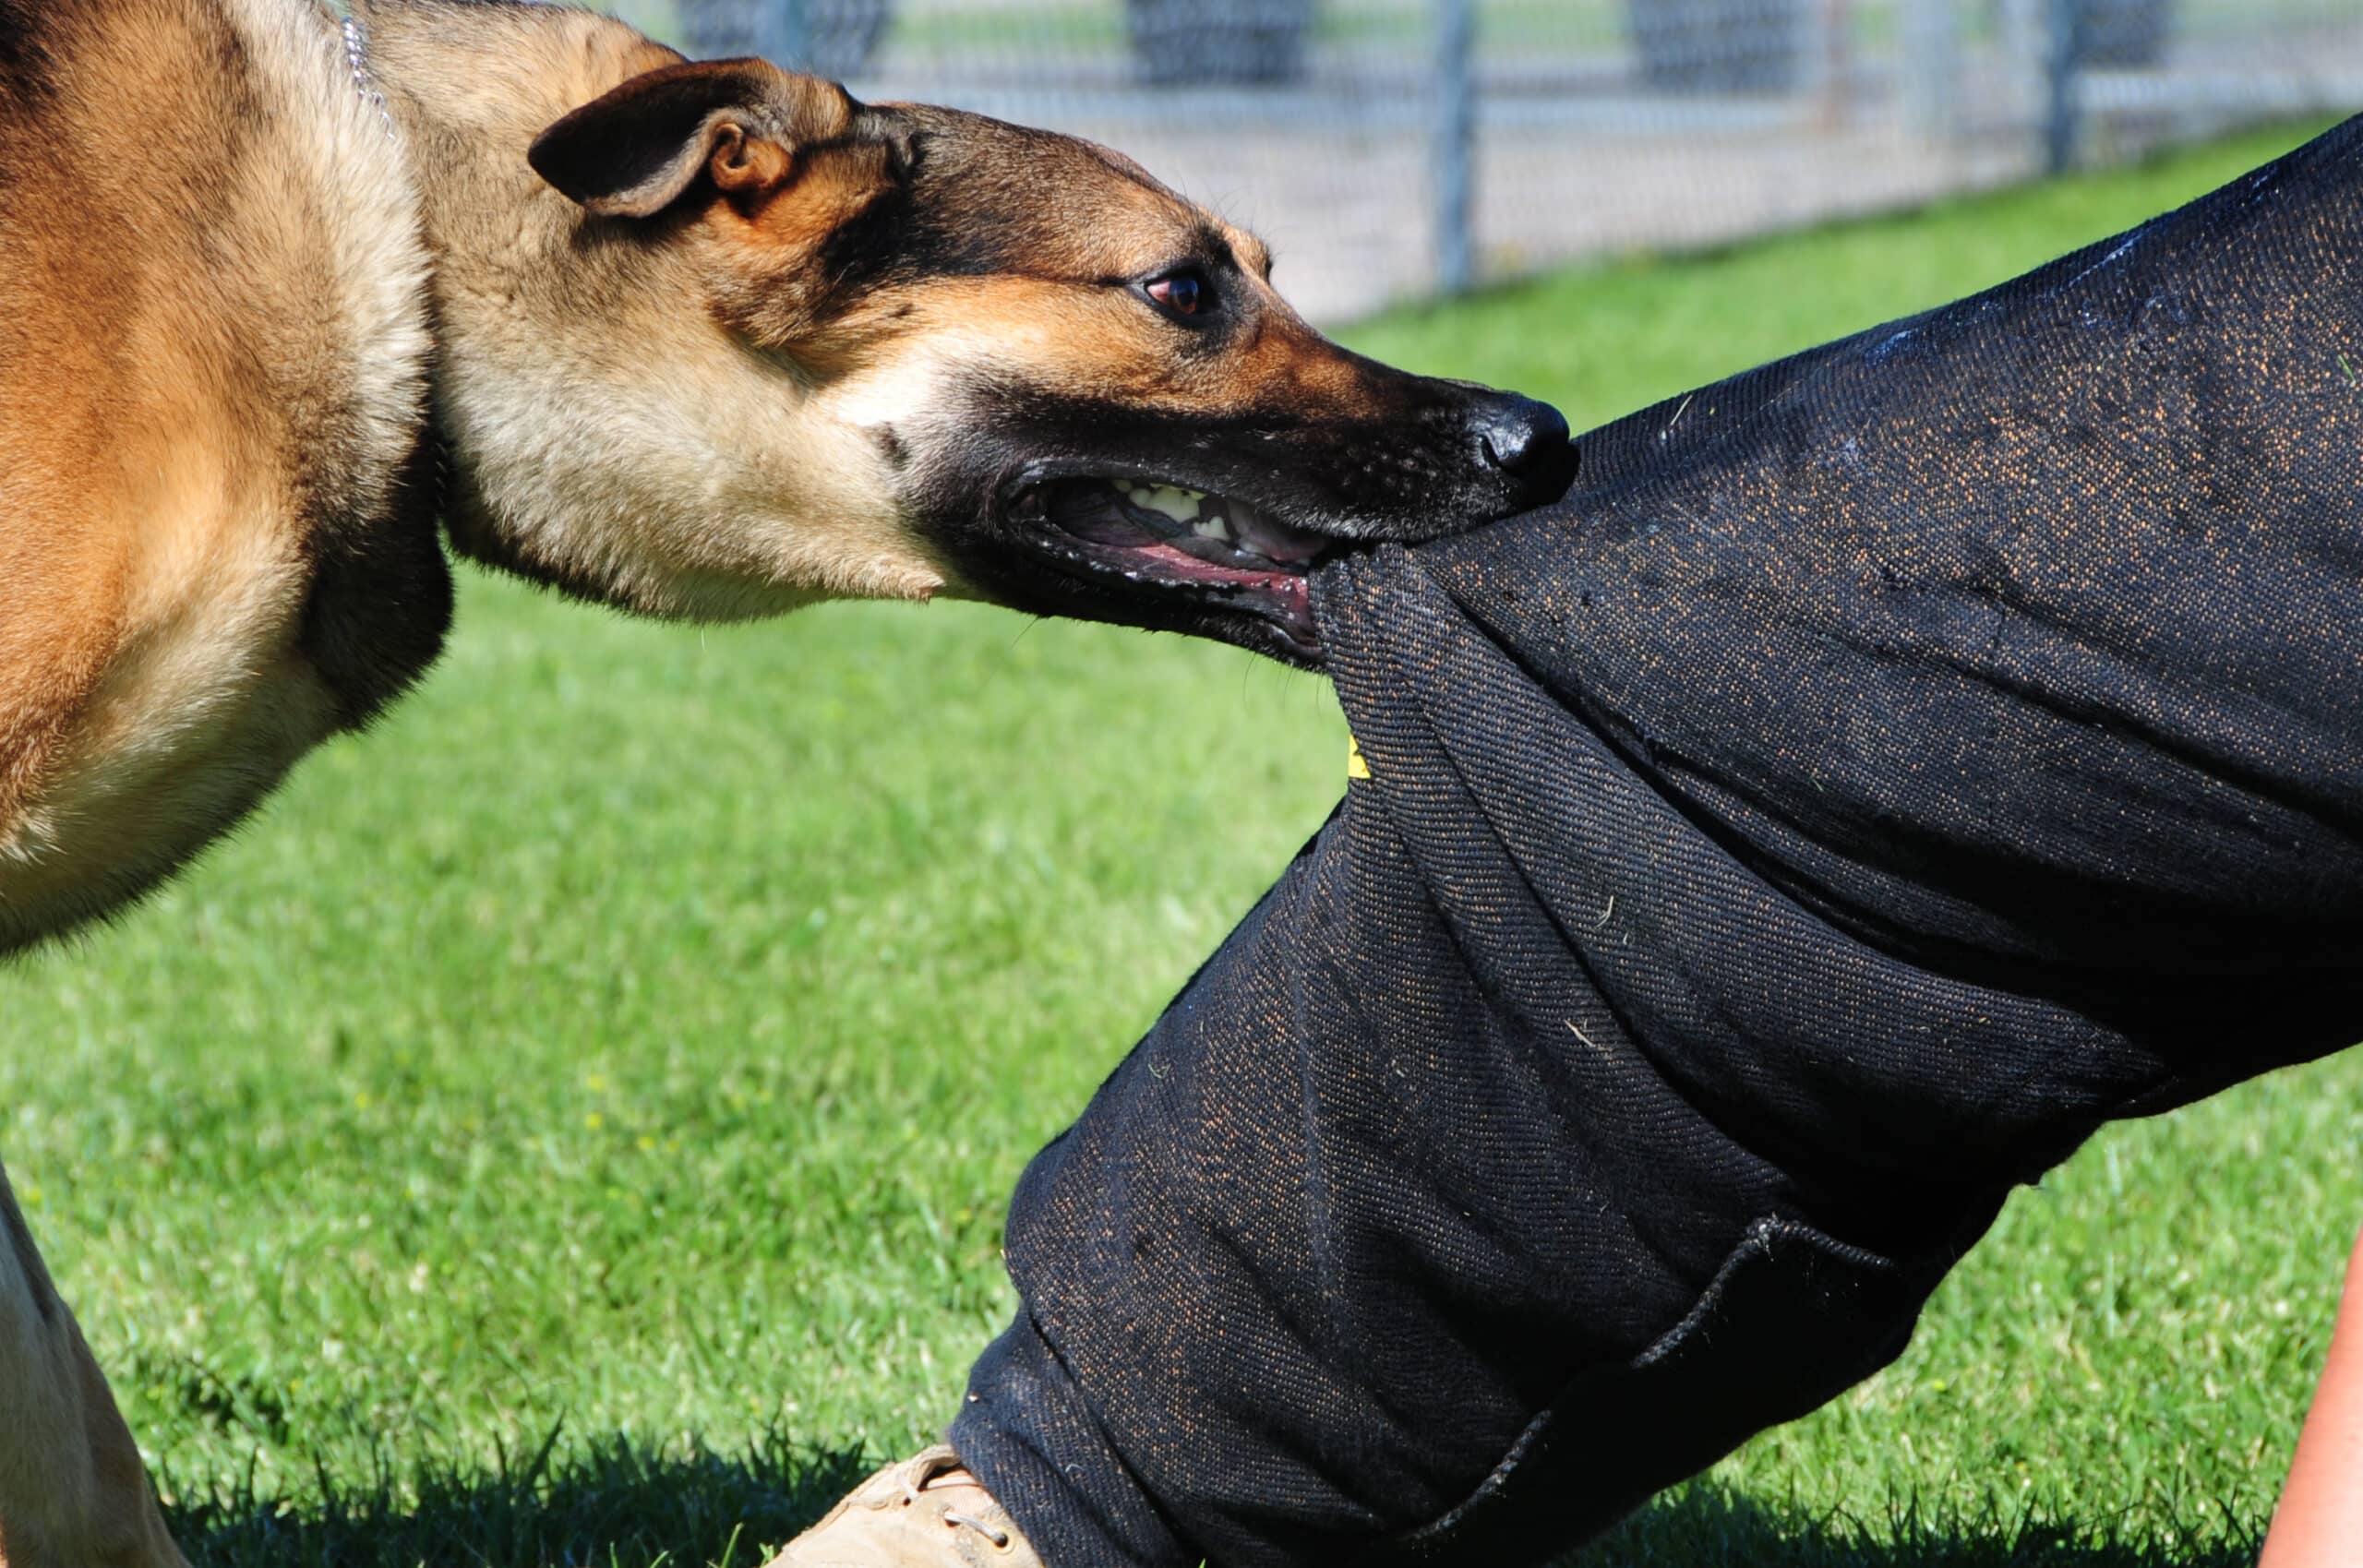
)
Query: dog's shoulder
[
  {"x": 215, "y": 350},
  {"x": 209, "y": 206}
]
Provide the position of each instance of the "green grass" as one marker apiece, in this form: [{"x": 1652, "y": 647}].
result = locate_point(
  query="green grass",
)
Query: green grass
[{"x": 571, "y": 1125}]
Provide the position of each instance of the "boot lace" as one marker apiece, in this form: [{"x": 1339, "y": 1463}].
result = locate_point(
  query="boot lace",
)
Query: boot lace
[{"x": 936, "y": 1473}]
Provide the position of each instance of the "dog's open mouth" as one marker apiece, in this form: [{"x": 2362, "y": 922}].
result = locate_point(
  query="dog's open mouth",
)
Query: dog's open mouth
[{"x": 1142, "y": 536}]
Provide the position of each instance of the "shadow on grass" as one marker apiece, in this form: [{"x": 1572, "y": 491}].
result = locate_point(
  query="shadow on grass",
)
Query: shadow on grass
[
  {"x": 614, "y": 1503},
  {"x": 617, "y": 1503},
  {"x": 1705, "y": 1527}
]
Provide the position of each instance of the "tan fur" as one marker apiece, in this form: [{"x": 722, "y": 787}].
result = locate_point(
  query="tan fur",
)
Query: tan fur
[
  {"x": 735, "y": 496},
  {"x": 616, "y": 433},
  {"x": 168, "y": 374}
]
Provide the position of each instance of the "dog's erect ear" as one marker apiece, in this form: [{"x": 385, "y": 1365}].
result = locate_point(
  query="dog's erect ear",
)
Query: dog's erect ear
[{"x": 640, "y": 149}]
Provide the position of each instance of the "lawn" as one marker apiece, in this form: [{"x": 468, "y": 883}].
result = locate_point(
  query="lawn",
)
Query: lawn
[{"x": 571, "y": 1124}]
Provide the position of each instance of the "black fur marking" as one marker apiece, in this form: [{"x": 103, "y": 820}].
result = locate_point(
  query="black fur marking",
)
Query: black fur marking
[
  {"x": 871, "y": 246},
  {"x": 26, "y": 65},
  {"x": 381, "y": 594},
  {"x": 1410, "y": 470}
]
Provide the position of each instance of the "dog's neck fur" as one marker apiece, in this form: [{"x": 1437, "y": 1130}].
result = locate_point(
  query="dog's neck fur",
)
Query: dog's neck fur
[{"x": 605, "y": 434}]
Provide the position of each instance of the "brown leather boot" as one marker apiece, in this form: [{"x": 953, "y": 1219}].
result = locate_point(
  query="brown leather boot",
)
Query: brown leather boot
[{"x": 927, "y": 1512}]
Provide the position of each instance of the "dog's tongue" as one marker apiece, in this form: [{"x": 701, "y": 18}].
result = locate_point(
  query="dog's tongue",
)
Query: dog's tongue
[{"x": 1198, "y": 560}]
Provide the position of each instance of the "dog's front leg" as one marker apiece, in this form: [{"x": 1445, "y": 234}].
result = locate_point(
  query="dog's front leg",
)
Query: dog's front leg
[{"x": 73, "y": 1493}]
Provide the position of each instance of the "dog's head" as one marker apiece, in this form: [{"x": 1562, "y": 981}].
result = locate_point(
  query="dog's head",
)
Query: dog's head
[{"x": 941, "y": 352}]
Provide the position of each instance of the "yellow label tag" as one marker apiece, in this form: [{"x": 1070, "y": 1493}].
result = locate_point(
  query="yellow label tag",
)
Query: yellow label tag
[{"x": 1355, "y": 767}]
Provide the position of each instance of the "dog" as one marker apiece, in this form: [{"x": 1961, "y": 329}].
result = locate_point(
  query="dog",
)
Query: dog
[{"x": 284, "y": 304}]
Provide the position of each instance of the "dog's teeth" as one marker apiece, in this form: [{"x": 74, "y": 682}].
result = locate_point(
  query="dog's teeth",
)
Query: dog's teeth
[
  {"x": 1169, "y": 500},
  {"x": 1211, "y": 528}
]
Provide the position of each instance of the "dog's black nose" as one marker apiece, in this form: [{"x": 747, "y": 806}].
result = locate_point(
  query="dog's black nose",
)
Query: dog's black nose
[{"x": 1528, "y": 441}]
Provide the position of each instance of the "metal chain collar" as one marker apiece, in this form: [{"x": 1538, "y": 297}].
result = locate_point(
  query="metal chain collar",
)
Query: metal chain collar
[{"x": 356, "y": 57}]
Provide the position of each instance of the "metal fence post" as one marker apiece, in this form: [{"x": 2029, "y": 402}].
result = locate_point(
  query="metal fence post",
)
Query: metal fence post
[
  {"x": 2060, "y": 64},
  {"x": 1454, "y": 135}
]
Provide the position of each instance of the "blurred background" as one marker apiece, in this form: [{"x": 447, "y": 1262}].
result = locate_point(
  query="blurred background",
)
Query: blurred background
[{"x": 1397, "y": 149}]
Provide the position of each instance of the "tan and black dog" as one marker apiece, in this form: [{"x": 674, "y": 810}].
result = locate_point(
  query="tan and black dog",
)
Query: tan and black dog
[{"x": 703, "y": 340}]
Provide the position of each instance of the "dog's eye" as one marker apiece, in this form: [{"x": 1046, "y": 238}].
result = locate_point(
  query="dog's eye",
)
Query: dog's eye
[{"x": 1184, "y": 293}]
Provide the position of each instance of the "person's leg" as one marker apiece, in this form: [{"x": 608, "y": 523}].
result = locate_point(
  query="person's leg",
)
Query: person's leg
[
  {"x": 1462, "y": 1201},
  {"x": 72, "y": 1492},
  {"x": 2320, "y": 1521}
]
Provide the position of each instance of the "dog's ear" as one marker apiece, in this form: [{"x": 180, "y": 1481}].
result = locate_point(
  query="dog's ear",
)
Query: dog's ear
[{"x": 640, "y": 148}]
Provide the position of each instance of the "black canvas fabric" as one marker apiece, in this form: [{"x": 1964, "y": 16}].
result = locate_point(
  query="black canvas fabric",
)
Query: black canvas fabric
[{"x": 1884, "y": 769}]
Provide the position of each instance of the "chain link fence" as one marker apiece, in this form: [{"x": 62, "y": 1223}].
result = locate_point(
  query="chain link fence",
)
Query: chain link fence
[{"x": 1392, "y": 149}]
